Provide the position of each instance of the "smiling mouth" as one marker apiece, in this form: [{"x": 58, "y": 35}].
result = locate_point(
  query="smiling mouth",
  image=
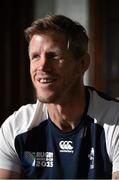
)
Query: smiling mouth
[{"x": 46, "y": 80}]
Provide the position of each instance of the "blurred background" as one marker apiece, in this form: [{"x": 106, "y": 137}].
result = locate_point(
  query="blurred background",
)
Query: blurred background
[{"x": 99, "y": 17}]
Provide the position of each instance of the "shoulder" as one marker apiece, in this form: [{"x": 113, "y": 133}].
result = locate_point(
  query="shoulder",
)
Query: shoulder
[
  {"x": 105, "y": 112},
  {"x": 103, "y": 108},
  {"x": 15, "y": 124},
  {"x": 25, "y": 118},
  {"x": 22, "y": 115}
]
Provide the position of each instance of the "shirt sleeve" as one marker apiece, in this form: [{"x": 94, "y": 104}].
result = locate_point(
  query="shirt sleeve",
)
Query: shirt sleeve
[
  {"x": 9, "y": 159},
  {"x": 115, "y": 149}
]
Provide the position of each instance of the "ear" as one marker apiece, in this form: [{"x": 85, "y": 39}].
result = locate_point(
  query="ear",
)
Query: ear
[{"x": 84, "y": 63}]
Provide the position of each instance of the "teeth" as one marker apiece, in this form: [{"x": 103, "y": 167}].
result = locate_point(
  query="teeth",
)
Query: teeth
[{"x": 46, "y": 80}]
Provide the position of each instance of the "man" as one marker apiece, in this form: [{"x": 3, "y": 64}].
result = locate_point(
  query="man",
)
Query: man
[{"x": 72, "y": 132}]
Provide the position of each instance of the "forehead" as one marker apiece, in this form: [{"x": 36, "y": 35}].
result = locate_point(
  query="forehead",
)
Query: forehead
[{"x": 49, "y": 38}]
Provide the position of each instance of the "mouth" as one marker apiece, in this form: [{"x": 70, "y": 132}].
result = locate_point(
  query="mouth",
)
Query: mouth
[{"x": 46, "y": 80}]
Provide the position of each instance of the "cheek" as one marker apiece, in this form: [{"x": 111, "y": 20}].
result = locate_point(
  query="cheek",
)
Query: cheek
[
  {"x": 67, "y": 77},
  {"x": 72, "y": 74},
  {"x": 33, "y": 66},
  {"x": 32, "y": 70}
]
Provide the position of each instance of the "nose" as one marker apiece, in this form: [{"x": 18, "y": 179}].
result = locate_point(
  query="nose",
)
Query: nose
[{"x": 44, "y": 63}]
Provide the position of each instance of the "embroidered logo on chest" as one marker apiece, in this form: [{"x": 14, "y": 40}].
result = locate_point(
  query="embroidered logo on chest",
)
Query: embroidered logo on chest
[{"x": 66, "y": 146}]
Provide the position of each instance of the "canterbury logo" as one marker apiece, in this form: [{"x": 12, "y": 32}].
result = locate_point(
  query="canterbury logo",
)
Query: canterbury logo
[{"x": 66, "y": 146}]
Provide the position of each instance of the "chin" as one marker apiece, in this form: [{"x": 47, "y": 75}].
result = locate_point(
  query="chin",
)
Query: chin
[
  {"x": 44, "y": 100},
  {"x": 50, "y": 96},
  {"x": 47, "y": 99}
]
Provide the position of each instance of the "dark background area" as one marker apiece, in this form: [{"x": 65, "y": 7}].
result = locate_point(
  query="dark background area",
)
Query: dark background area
[{"x": 15, "y": 84}]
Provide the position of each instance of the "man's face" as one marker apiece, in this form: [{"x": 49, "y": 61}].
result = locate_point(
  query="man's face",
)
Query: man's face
[{"x": 53, "y": 68}]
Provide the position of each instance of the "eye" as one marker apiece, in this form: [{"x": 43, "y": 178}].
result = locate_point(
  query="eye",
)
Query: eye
[
  {"x": 53, "y": 56},
  {"x": 35, "y": 57},
  {"x": 57, "y": 57}
]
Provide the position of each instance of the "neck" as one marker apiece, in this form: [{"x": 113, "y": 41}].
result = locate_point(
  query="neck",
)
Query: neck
[{"x": 66, "y": 116}]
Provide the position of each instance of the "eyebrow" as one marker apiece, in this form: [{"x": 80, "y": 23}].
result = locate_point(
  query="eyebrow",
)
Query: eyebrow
[{"x": 59, "y": 51}]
